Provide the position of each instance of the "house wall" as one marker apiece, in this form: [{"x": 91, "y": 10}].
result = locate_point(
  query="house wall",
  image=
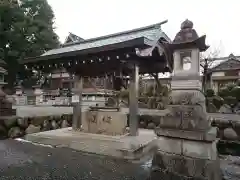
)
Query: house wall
[
  {"x": 218, "y": 74},
  {"x": 223, "y": 78}
]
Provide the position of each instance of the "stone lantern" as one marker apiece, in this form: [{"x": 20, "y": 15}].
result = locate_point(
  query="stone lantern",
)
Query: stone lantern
[
  {"x": 186, "y": 48},
  {"x": 5, "y": 105},
  {"x": 3, "y": 72},
  {"x": 187, "y": 142}
]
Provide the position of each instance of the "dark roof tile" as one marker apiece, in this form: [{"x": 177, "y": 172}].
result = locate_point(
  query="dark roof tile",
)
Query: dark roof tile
[{"x": 230, "y": 63}]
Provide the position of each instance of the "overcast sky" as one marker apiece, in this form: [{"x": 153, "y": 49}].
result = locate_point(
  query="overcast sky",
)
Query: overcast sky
[{"x": 219, "y": 20}]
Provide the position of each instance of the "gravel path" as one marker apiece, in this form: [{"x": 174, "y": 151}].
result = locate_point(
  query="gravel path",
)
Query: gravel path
[{"x": 24, "y": 161}]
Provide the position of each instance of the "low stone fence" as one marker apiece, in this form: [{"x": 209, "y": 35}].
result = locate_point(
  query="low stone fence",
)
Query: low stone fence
[
  {"x": 228, "y": 129},
  {"x": 13, "y": 127},
  {"x": 228, "y": 125}
]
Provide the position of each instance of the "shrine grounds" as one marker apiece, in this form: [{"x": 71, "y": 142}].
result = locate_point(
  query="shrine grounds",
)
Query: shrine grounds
[{"x": 26, "y": 161}]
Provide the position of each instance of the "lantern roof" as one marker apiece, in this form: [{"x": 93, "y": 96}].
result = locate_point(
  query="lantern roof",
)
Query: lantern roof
[{"x": 187, "y": 37}]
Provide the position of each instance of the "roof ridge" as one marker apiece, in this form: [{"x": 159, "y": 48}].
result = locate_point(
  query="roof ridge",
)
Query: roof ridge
[
  {"x": 157, "y": 25},
  {"x": 225, "y": 58}
]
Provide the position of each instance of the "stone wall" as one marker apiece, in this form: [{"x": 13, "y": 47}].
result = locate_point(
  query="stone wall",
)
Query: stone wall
[
  {"x": 226, "y": 130},
  {"x": 13, "y": 127}
]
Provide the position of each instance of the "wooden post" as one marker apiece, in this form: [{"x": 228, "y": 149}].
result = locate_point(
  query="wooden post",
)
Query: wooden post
[
  {"x": 77, "y": 107},
  {"x": 133, "y": 98}
]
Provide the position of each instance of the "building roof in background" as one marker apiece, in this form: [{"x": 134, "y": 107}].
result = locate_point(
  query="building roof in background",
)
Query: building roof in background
[{"x": 230, "y": 62}]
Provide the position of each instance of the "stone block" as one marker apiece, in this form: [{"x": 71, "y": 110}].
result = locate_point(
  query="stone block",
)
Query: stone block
[
  {"x": 199, "y": 149},
  {"x": 174, "y": 163},
  {"x": 186, "y": 117},
  {"x": 195, "y": 124},
  {"x": 32, "y": 129},
  {"x": 212, "y": 170},
  {"x": 195, "y": 167},
  {"x": 170, "y": 122},
  {"x": 104, "y": 122},
  {"x": 182, "y": 167},
  {"x": 172, "y": 119},
  {"x": 169, "y": 145},
  {"x": 187, "y": 97},
  {"x": 158, "y": 162},
  {"x": 158, "y": 174},
  {"x": 193, "y": 117},
  {"x": 184, "y": 134},
  {"x": 186, "y": 84}
]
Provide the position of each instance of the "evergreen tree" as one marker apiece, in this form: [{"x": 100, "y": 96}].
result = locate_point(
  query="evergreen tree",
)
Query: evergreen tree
[
  {"x": 11, "y": 25},
  {"x": 40, "y": 35},
  {"x": 26, "y": 30}
]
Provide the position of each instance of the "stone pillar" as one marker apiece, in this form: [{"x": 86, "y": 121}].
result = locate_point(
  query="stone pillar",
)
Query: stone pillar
[
  {"x": 209, "y": 82},
  {"x": 77, "y": 107},
  {"x": 177, "y": 63},
  {"x": 38, "y": 92},
  {"x": 186, "y": 141},
  {"x": 133, "y": 101}
]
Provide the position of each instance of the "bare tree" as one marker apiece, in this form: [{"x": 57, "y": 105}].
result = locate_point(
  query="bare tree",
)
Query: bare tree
[{"x": 207, "y": 61}]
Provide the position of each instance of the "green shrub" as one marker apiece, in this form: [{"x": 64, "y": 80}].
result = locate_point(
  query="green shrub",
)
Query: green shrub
[
  {"x": 231, "y": 101},
  {"x": 210, "y": 93},
  {"x": 235, "y": 92},
  {"x": 217, "y": 101},
  {"x": 223, "y": 92}
]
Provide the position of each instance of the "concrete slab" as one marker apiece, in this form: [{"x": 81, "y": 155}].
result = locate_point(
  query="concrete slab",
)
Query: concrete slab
[{"x": 124, "y": 147}]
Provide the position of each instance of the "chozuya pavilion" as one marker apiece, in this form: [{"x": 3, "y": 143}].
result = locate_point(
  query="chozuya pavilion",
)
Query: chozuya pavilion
[{"x": 129, "y": 53}]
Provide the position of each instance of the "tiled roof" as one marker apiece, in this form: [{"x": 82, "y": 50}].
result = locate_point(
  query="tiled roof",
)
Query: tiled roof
[
  {"x": 228, "y": 63},
  {"x": 71, "y": 38},
  {"x": 150, "y": 32}
]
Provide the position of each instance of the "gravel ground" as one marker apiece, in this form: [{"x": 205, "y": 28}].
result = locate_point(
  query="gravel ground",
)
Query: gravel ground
[{"x": 25, "y": 161}]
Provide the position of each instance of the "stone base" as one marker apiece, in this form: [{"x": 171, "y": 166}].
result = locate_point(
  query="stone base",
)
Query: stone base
[
  {"x": 183, "y": 159},
  {"x": 186, "y": 84},
  {"x": 178, "y": 167},
  {"x": 125, "y": 146}
]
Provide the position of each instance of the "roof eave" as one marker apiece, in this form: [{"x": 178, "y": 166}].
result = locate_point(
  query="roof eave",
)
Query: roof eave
[
  {"x": 224, "y": 69},
  {"x": 199, "y": 43}
]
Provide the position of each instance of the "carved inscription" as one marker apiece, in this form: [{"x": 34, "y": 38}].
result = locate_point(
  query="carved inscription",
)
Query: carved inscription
[
  {"x": 107, "y": 119},
  {"x": 93, "y": 119},
  {"x": 101, "y": 122},
  {"x": 187, "y": 114}
]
